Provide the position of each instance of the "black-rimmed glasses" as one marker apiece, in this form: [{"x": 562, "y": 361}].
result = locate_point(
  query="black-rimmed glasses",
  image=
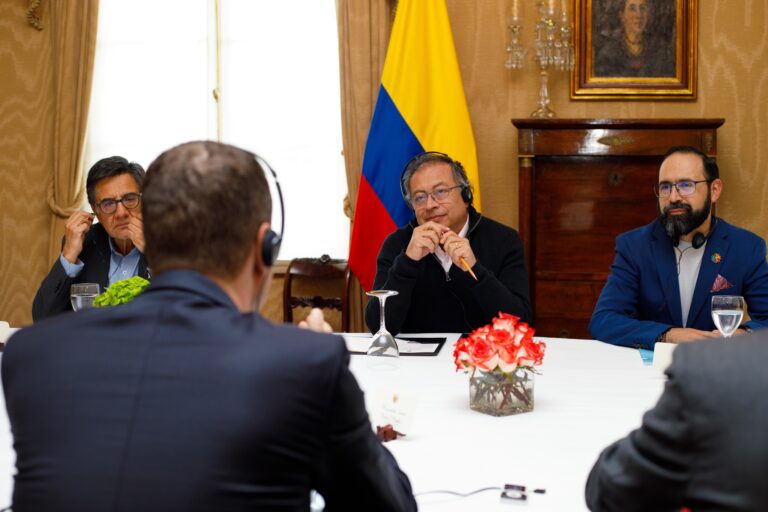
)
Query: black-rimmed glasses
[
  {"x": 130, "y": 200},
  {"x": 684, "y": 188},
  {"x": 439, "y": 195}
]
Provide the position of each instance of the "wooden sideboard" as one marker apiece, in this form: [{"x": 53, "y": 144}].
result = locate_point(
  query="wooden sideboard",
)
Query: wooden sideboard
[{"x": 582, "y": 183}]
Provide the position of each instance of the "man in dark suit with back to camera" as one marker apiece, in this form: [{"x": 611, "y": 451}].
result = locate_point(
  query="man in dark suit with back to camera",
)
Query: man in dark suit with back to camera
[
  {"x": 704, "y": 444},
  {"x": 427, "y": 260},
  {"x": 186, "y": 399},
  {"x": 109, "y": 251},
  {"x": 665, "y": 274}
]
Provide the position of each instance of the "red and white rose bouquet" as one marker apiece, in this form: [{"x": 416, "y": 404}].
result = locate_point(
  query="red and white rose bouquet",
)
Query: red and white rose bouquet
[{"x": 500, "y": 358}]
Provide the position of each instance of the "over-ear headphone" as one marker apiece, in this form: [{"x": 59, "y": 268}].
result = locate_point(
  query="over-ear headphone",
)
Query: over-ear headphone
[
  {"x": 271, "y": 246},
  {"x": 699, "y": 239},
  {"x": 435, "y": 156}
]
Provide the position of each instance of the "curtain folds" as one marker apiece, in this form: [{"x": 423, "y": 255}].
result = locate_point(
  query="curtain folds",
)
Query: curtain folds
[
  {"x": 364, "y": 27},
  {"x": 72, "y": 25}
]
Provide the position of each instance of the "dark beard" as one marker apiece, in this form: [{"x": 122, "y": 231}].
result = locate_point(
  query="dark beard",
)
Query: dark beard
[{"x": 677, "y": 226}]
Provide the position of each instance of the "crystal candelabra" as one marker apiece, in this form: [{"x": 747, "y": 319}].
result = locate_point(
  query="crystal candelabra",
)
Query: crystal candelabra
[{"x": 553, "y": 45}]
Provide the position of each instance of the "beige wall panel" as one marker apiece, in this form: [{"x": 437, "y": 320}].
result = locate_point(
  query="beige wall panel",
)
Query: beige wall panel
[{"x": 26, "y": 104}]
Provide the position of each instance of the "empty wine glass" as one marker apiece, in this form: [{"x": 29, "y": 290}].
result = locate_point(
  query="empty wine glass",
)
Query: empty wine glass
[
  {"x": 81, "y": 295},
  {"x": 727, "y": 312},
  {"x": 383, "y": 343}
]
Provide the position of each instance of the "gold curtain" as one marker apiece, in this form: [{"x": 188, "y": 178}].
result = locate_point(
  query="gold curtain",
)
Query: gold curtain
[
  {"x": 364, "y": 27},
  {"x": 72, "y": 25}
]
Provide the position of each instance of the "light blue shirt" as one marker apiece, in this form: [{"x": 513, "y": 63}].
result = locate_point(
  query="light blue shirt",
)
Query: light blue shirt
[{"x": 120, "y": 267}]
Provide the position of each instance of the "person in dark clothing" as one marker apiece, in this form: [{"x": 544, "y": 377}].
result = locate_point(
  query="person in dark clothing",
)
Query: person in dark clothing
[
  {"x": 103, "y": 253},
  {"x": 428, "y": 261},
  {"x": 703, "y": 446},
  {"x": 186, "y": 399}
]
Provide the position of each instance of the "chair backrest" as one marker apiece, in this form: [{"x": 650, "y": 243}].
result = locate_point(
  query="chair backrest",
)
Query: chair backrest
[{"x": 320, "y": 276}]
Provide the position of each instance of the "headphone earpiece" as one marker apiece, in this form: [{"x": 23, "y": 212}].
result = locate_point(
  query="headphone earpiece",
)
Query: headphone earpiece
[
  {"x": 466, "y": 195},
  {"x": 698, "y": 240},
  {"x": 270, "y": 247}
]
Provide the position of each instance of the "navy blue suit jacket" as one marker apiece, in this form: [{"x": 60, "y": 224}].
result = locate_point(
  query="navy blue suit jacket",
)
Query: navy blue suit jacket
[
  {"x": 642, "y": 296},
  {"x": 178, "y": 402}
]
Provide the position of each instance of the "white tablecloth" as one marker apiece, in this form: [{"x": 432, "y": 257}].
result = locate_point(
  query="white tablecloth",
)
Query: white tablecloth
[{"x": 588, "y": 395}]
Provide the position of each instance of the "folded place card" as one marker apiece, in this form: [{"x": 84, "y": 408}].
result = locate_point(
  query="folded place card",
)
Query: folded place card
[
  {"x": 662, "y": 355},
  {"x": 392, "y": 407}
]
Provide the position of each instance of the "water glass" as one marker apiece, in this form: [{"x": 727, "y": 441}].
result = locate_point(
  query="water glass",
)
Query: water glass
[
  {"x": 727, "y": 312},
  {"x": 383, "y": 343},
  {"x": 81, "y": 295}
]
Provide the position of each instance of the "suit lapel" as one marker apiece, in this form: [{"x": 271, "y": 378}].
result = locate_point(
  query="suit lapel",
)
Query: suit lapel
[
  {"x": 664, "y": 256},
  {"x": 717, "y": 244},
  {"x": 144, "y": 269},
  {"x": 100, "y": 242}
]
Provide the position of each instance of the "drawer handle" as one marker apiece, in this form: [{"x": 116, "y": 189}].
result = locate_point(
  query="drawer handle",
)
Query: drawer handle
[
  {"x": 564, "y": 333},
  {"x": 615, "y": 140}
]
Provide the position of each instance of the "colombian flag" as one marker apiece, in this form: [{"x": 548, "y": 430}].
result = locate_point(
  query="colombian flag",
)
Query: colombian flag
[{"x": 420, "y": 107}]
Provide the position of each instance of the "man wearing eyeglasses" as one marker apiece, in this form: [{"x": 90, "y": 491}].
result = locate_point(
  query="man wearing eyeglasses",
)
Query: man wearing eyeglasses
[
  {"x": 665, "y": 274},
  {"x": 106, "y": 252},
  {"x": 453, "y": 268}
]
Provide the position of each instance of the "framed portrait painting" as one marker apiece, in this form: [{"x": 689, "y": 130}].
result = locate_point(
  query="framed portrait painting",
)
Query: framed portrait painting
[{"x": 635, "y": 49}]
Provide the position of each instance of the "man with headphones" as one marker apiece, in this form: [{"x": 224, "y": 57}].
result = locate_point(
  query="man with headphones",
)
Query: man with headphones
[
  {"x": 453, "y": 269},
  {"x": 186, "y": 398},
  {"x": 665, "y": 274}
]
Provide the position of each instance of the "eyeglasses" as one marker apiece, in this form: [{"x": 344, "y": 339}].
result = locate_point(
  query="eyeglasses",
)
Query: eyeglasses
[
  {"x": 439, "y": 195},
  {"x": 684, "y": 188},
  {"x": 130, "y": 200}
]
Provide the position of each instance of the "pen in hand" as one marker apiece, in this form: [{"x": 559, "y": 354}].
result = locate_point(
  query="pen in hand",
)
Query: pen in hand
[{"x": 466, "y": 266}]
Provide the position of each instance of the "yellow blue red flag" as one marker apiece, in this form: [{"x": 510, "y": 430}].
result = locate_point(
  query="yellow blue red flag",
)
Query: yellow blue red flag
[{"x": 421, "y": 107}]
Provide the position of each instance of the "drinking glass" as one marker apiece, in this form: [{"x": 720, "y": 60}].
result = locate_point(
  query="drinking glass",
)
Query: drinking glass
[
  {"x": 383, "y": 343},
  {"x": 81, "y": 295},
  {"x": 727, "y": 312}
]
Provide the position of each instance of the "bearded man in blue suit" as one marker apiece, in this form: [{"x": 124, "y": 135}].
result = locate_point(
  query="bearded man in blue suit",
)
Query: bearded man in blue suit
[{"x": 665, "y": 274}]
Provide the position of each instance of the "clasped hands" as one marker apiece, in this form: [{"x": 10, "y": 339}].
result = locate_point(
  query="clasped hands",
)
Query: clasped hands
[{"x": 429, "y": 236}]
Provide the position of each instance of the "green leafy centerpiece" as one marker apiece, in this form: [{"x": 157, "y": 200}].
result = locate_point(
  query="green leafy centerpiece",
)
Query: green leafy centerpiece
[{"x": 121, "y": 292}]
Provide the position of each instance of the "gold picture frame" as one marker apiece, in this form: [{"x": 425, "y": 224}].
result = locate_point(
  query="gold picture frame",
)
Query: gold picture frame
[{"x": 635, "y": 49}]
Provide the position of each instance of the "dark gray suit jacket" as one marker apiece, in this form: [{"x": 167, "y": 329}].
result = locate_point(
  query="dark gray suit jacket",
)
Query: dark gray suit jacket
[
  {"x": 704, "y": 445},
  {"x": 178, "y": 402},
  {"x": 52, "y": 297}
]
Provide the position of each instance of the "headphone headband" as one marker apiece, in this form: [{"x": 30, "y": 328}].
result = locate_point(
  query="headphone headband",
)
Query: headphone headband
[{"x": 272, "y": 241}]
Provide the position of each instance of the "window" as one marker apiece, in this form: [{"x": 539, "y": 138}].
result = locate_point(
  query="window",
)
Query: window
[{"x": 153, "y": 83}]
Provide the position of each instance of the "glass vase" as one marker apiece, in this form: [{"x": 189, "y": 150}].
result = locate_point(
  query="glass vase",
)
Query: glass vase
[{"x": 501, "y": 393}]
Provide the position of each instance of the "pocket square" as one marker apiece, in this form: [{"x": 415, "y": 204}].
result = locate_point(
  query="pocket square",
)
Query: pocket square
[{"x": 720, "y": 284}]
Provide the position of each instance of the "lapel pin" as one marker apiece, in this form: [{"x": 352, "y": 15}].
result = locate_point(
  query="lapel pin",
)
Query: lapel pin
[{"x": 716, "y": 258}]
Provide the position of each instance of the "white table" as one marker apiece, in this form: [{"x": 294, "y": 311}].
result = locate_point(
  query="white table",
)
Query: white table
[{"x": 588, "y": 395}]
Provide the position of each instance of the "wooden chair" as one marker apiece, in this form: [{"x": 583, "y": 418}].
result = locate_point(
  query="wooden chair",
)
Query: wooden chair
[{"x": 327, "y": 279}]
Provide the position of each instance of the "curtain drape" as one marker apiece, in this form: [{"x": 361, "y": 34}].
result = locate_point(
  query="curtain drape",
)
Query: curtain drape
[
  {"x": 72, "y": 25},
  {"x": 364, "y": 27}
]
